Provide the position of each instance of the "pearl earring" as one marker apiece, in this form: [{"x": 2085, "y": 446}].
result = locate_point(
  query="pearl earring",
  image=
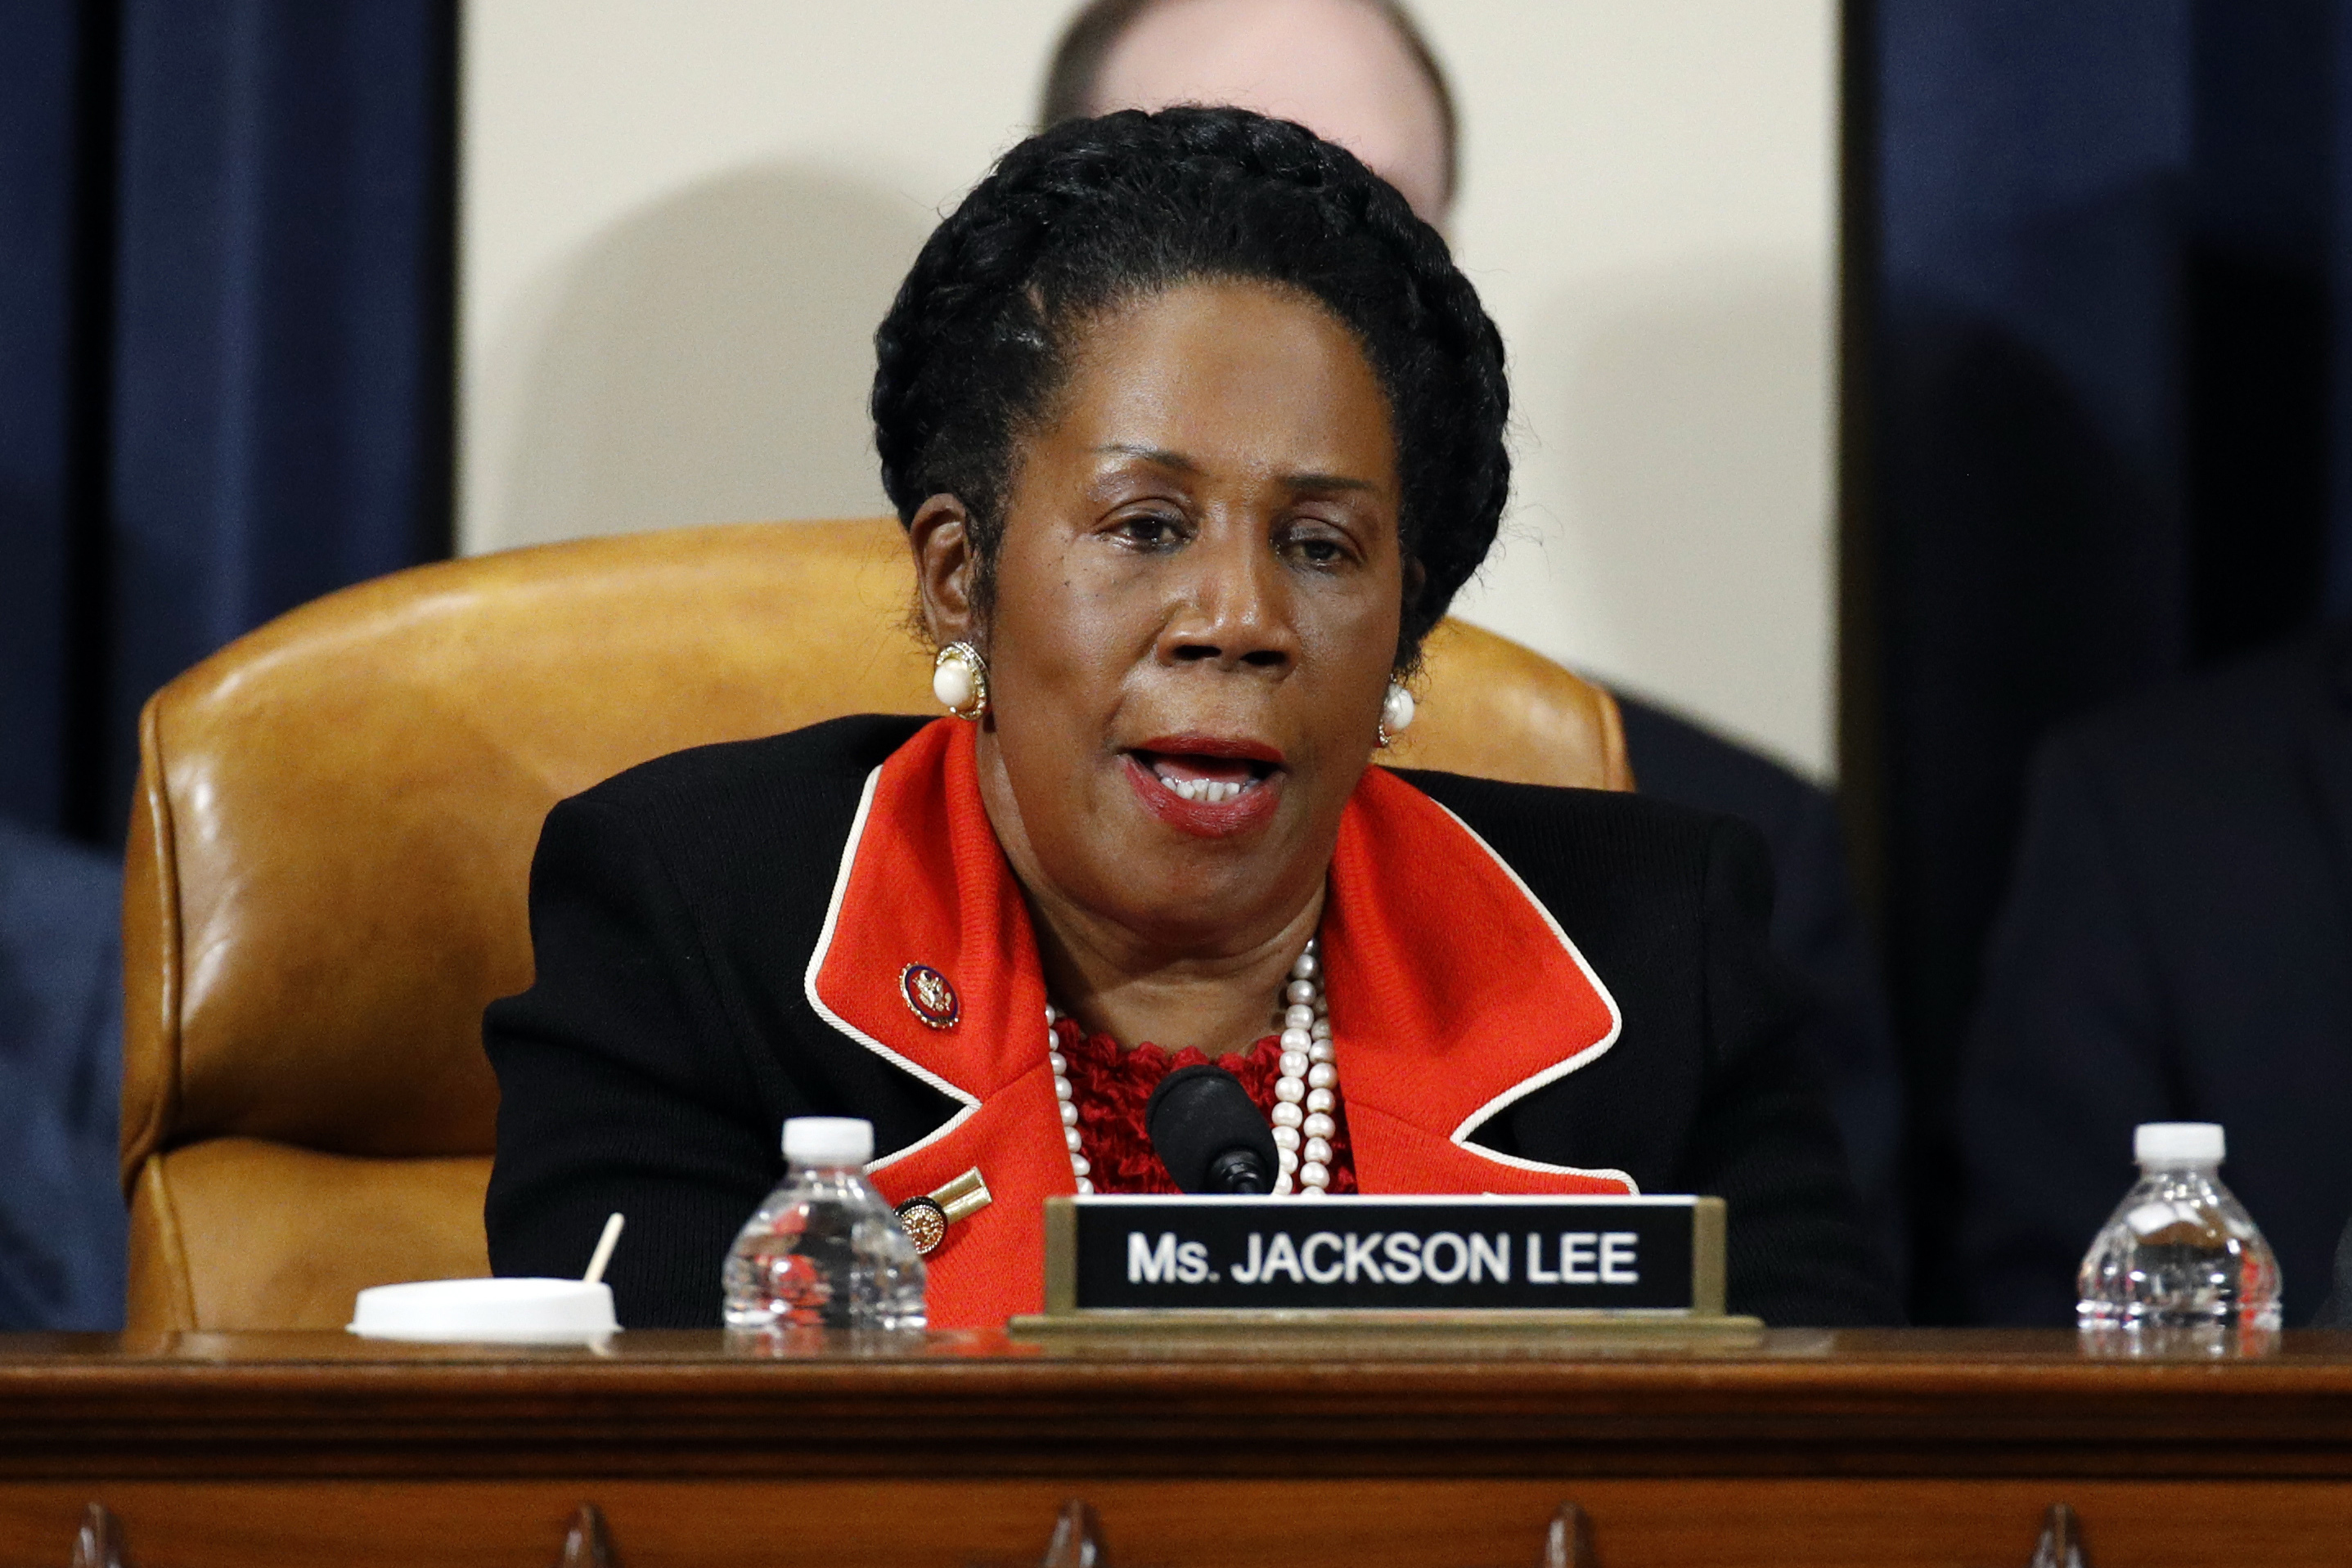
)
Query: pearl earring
[
  {"x": 959, "y": 680},
  {"x": 1396, "y": 714}
]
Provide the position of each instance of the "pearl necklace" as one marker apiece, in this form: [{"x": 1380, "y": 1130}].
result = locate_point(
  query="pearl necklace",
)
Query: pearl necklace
[{"x": 1305, "y": 1096}]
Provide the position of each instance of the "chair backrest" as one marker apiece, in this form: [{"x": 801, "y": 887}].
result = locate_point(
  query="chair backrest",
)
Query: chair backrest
[{"x": 328, "y": 865}]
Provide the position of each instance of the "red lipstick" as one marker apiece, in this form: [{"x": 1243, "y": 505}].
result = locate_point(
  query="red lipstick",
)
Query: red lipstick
[
  {"x": 1213, "y": 746},
  {"x": 1177, "y": 779}
]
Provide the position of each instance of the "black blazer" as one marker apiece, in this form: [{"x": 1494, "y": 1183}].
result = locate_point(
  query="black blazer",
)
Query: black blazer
[
  {"x": 1817, "y": 929},
  {"x": 666, "y": 1036},
  {"x": 2176, "y": 946}
]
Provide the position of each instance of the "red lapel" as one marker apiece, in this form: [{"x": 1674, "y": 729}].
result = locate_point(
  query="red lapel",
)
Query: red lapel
[
  {"x": 1452, "y": 993},
  {"x": 923, "y": 882}
]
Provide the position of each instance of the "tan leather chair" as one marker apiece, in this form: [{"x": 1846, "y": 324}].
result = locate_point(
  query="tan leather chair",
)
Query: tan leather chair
[{"x": 328, "y": 864}]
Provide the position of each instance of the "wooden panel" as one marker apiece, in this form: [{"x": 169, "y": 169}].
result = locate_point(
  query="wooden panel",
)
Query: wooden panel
[
  {"x": 1927, "y": 1448},
  {"x": 1182, "y": 1524},
  {"x": 1910, "y": 1405}
]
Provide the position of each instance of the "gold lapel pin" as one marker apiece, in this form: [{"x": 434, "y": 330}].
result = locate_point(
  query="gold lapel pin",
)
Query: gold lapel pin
[
  {"x": 926, "y": 1219},
  {"x": 929, "y": 996}
]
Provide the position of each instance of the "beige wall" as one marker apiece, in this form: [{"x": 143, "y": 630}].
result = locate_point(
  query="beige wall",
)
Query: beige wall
[{"x": 683, "y": 217}]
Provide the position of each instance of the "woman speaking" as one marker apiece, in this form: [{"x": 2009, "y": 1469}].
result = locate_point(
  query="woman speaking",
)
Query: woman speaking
[{"x": 1195, "y": 431}]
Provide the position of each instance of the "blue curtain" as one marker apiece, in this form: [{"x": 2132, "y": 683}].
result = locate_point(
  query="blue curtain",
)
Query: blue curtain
[
  {"x": 44, "y": 396},
  {"x": 225, "y": 379},
  {"x": 2097, "y": 262}
]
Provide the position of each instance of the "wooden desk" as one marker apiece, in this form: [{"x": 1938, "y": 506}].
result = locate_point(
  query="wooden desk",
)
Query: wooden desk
[{"x": 1886, "y": 1449}]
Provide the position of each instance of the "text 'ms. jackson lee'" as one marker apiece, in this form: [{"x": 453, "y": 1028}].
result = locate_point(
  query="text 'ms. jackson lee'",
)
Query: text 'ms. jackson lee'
[{"x": 1614, "y": 1254}]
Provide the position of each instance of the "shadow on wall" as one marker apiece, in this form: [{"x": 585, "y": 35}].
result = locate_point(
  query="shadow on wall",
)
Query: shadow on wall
[
  {"x": 704, "y": 360},
  {"x": 1692, "y": 451}
]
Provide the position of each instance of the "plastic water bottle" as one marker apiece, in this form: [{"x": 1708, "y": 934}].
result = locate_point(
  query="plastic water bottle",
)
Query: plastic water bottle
[
  {"x": 824, "y": 1251},
  {"x": 2180, "y": 1266}
]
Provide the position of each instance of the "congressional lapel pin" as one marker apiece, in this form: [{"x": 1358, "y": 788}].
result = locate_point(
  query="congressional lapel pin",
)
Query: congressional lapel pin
[
  {"x": 926, "y": 1219},
  {"x": 928, "y": 994},
  {"x": 924, "y": 1222}
]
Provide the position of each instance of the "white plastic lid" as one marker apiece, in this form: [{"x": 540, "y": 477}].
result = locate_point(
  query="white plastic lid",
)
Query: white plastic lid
[
  {"x": 507, "y": 1311},
  {"x": 828, "y": 1140},
  {"x": 2178, "y": 1144}
]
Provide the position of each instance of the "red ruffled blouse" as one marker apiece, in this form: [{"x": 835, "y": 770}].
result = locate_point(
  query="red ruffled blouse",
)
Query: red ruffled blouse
[{"x": 1110, "y": 1084}]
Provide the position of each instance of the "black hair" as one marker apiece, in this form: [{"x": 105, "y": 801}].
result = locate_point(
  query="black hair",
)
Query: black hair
[
  {"x": 1094, "y": 31},
  {"x": 1094, "y": 212}
]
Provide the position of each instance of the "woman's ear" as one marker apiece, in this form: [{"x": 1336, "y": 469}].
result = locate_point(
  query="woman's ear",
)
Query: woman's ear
[
  {"x": 1416, "y": 579},
  {"x": 946, "y": 569}
]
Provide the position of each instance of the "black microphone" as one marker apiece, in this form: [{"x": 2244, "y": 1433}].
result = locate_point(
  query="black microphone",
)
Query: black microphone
[{"x": 1207, "y": 1131}]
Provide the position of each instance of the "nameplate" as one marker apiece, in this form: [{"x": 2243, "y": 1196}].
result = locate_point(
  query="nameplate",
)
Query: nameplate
[{"x": 1587, "y": 1257}]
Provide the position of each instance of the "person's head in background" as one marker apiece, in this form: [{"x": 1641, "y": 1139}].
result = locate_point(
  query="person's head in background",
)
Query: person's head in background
[{"x": 1356, "y": 72}]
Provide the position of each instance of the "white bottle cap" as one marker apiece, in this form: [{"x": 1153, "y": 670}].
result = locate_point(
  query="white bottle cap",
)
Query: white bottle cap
[
  {"x": 2178, "y": 1144},
  {"x": 828, "y": 1140}
]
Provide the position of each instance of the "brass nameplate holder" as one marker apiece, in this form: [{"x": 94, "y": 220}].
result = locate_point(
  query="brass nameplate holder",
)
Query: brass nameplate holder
[{"x": 1636, "y": 1266}]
